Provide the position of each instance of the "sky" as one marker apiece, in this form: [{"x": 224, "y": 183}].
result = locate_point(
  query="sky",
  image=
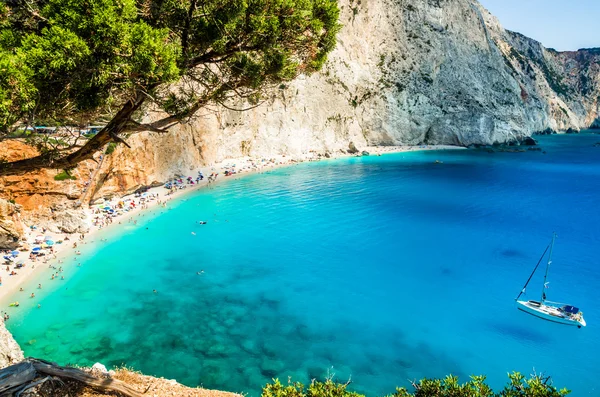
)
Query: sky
[{"x": 565, "y": 25}]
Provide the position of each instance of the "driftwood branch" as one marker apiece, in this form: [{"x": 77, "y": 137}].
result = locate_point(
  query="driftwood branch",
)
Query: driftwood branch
[
  {"x": 26, "y": 374},
  {"x": 15, "y": 376}
]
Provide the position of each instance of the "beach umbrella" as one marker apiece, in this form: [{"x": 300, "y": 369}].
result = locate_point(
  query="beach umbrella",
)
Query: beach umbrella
[
  {"x": 48, "y": 238},
  {"x": 49, "y": 242},
  {"x": 36, "y": 249},
  {"x": 20, "y": 262},
  {"x": 39, "y": 238},
  {"x": 15, "y": 253},
  {"x": 107, "y": 208}
]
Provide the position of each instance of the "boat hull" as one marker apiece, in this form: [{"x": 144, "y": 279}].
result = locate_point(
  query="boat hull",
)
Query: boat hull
[{"x": 549, "y": 313}]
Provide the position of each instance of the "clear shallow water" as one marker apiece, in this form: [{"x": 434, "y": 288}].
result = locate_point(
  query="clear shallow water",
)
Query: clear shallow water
[{"x": 385, "y": 268}]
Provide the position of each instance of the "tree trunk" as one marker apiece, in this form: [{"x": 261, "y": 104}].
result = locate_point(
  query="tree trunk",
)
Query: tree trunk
[{"x": 107, "y": 134}]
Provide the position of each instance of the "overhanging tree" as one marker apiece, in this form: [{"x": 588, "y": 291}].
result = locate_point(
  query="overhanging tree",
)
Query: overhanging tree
[{"x": 72, "y": 62}]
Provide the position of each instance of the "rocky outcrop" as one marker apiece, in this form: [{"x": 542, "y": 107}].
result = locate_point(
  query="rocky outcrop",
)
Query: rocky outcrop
[
  {"x": 564, "y": 86},
  {"x": 44, "y": 201},
  {"x": 38, "y": 378},
  {"x": 10, "y": 352},
  {"x": 11, "y": 229}
]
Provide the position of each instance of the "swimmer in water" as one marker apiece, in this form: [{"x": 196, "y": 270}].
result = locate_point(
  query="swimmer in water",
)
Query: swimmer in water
[
  {"x": 32, "y": 295},
  {"x": 154, "y": 291}
]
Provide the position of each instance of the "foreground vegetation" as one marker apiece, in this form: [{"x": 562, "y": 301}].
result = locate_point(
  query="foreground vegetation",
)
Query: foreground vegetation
[{"x": 517, "y": 386}]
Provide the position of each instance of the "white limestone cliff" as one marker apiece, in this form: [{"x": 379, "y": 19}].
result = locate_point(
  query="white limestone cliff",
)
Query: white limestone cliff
[
  {"x": 403, "y": 72},
  {"x": 10, "y": 352}
]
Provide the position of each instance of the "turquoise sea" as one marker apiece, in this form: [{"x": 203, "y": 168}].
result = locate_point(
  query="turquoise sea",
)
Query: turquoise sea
[{"x": 383, "y": 269}]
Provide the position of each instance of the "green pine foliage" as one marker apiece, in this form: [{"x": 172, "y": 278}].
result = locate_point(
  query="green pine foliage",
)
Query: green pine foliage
[
  {"x": 81, "y": 60},
  {"x": 518, "y": 386}
]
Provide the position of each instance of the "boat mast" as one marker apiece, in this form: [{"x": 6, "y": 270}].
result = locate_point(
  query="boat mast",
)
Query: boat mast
[{"x": 547, "y": 266}]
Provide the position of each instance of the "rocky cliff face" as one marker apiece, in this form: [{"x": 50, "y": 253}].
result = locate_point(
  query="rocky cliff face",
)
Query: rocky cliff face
[
  {"x": 403, "y": 72},
  {"x": 11, "y": 228},
  {"x": 41, "y": 199},
  {"x": 10, "y": 352}
]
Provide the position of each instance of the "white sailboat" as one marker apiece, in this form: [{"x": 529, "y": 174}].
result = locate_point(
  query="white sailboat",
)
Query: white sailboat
[{"x": 552, "y": 311}]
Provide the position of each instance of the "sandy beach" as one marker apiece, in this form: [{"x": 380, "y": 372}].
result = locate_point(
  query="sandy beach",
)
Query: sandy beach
[{"x": 43, "y": 267}]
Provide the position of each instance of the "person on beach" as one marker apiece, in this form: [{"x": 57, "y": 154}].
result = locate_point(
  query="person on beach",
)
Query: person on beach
[{"x": 32, "y": 295}]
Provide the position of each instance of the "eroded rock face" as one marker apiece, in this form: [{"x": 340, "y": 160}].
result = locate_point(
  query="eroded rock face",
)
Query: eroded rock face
[
  {"x": 10, "y": 352},
  {"x": 44, "y": 201},
  {"x": 11, "y": 229}
]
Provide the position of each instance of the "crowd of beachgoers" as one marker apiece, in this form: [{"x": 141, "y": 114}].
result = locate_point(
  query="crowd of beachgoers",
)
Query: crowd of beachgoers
[{"x": 44, "y": 250}]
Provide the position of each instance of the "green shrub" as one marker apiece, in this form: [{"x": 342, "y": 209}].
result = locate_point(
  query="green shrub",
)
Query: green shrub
[
  {"x": 518, "y": 386},
  {"x": 110, "y": 148},
  {"x": 64, "y": 175}
]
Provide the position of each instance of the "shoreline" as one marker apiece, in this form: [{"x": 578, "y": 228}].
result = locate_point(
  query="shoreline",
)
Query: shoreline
[{"x": 34, "y": 271}]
